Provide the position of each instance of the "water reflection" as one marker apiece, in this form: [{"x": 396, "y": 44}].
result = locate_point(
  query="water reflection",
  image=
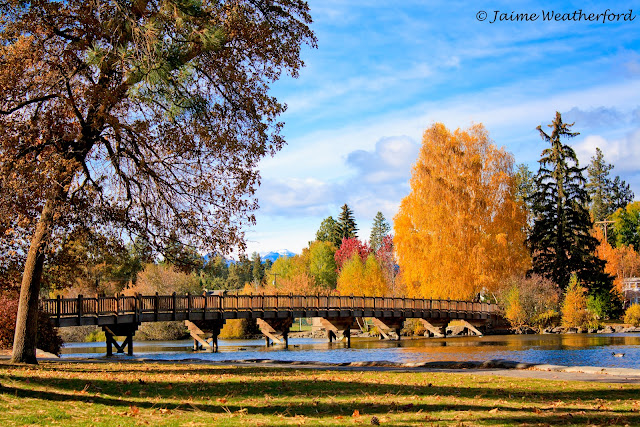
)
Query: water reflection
[{"x": 572, "y": 349}]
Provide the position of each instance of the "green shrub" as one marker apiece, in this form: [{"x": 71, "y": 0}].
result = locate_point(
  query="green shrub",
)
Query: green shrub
[
  {"x": 632, "y": 315},
  {"x": 546, "y": 319},
  {"x": 97, "y": 335},
  {"x": 530, "y": 301},
  {"x": 162, "y": 331}
]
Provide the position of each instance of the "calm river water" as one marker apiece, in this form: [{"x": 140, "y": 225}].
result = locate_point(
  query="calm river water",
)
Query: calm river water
[{"x": 572, "y": 349}]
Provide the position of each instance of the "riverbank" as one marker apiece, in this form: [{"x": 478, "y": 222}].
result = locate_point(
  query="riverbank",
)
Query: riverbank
[{"x": 203, "y": 394}]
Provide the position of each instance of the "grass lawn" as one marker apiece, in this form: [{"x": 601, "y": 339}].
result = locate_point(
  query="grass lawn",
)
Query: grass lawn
[{"x": 181, "y": 394}]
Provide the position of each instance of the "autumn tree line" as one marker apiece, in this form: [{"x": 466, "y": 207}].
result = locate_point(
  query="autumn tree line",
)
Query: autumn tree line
[
  {"x": 130, "y": 139},
  {"x": 474, "y": 226}
]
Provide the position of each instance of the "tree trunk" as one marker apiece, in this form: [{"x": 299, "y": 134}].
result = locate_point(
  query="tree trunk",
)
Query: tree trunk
[{"x": 25, "y": 338}]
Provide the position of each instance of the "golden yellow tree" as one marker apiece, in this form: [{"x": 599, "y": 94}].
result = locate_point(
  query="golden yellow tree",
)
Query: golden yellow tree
[
  {"x": 460, "y": 229},
  {"x": 358, "y": 277},
  {"x": 574, "y": 306}
]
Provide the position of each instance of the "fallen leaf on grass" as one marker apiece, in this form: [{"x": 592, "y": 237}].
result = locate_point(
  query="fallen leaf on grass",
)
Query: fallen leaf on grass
[
  {"x": 494, "y": 411},
  {"x": 356, "y": 413},
  {"x": 134, "y": 410},
  {"x": 222, "y": 400}
]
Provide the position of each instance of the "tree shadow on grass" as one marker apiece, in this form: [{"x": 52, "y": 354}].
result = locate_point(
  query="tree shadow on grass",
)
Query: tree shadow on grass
[{"x": 267, "y": 391}]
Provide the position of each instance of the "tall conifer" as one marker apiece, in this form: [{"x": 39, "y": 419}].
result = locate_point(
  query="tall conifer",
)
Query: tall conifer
[
  {"x": 560, "y": 241},
  {"x": 380, "y": 229},
  {"x": 346, "y": 226}
]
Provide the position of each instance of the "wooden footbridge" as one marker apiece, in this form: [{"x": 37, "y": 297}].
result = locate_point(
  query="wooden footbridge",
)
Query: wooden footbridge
[{"x": 205, "y": 315}]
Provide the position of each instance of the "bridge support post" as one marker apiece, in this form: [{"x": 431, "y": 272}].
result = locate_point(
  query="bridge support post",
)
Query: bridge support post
[
  {"x": 388, "y": 325},
  {"x": 205, "y": 333},
  {"x": 275, "y": 330},
  {"x": 438, "y": 331},
  {"x": 471, "y": 328},
  {"x": 126, "y": 330},
  {"x": 335, "y": 326}
]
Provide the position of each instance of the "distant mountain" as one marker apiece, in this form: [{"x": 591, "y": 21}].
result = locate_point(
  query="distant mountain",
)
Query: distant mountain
[
  {"x": 209, "y": 257},
  {"x": 274, "y": 255}
]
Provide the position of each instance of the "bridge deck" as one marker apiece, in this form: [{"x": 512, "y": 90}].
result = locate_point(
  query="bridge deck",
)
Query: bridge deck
[{"x": 105, "y": 311}]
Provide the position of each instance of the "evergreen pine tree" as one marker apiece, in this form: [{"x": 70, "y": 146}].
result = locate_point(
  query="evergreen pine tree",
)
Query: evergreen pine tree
[
  {"x": 257, "y": 269},
  {"x": 380, "y": 229},
  {"x": 560, "y": 241},
  {"x": 524, "y": 188},
  {"x": 346, "y": 227},
  {"x": 599, "y": 186},
  {"x": 621, "y": 194},
  {"x": 327, "y": 231}
]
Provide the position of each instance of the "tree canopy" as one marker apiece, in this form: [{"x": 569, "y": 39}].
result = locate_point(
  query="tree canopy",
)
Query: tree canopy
[
  {"x": 151, "y": 116},
  {"x": 328, "y": 230},
  {"x": 606, "y": 195},
  {"x": 560, "y": 241},
  {"x": 626, "y": 225},
  {"x": 379, "y": 231},
  {"x": 346, "y": 227},
  {"x": 460, "y": 228}
]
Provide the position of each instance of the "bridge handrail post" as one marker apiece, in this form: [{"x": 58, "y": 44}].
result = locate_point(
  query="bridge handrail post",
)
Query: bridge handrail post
[
  {"x": 79, "y": 308},
  {"x": 156, "y": 306},
  {"x": 174, "y": 303},
  {"x": 138, "y": 307},
  {"x": 58, "y": 307},
  {"x": 188, "y": 306}
]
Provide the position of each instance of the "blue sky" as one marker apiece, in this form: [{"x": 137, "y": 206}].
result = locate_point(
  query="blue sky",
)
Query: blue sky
[{"x": 384, "y": 72}]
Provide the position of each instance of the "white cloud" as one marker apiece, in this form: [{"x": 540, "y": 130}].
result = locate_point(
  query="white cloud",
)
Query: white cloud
[
  {"x": 377, "y": 182},
  {"x": 623, "y": 153},
  {"x": 294, "y": 197},
  {"x": 596, "y": 117}
]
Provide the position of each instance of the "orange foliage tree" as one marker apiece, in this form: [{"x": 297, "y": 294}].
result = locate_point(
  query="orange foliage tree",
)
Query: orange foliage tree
[
  {"x": 621, "y": 262},
  {"x": 460, "y": 230}
]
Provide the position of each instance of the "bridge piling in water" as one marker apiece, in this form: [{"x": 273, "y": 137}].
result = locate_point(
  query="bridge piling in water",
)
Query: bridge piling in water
[
  {"x": 276, "y": 330},
  {"x": 205, "y": 333},
  {"x": 121, "y": 330}
]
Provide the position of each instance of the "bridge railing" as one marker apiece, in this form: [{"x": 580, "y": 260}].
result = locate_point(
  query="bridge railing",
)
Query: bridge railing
[{"x": 122, "y": 305}]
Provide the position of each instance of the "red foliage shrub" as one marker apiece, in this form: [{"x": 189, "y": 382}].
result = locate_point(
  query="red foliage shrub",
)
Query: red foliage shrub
[
  {"x": 350, "y": 247},
  {"x": 48, "y": 338}
]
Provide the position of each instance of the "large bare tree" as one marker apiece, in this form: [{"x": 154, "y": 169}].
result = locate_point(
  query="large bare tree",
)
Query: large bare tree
[{"x": 149, "y": 115}]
